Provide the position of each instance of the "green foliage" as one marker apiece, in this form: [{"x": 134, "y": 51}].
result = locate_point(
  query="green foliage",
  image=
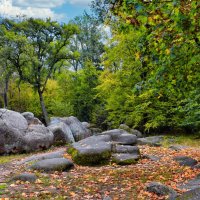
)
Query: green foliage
[
  {"x": 151, "y": 77},
  {"x": 79, "y": 90}
]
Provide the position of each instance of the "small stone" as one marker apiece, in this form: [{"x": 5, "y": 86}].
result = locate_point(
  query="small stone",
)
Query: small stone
[
  {"x": 185, "y": 161},
  {"x": 25, "y": 177},
  {"x": 160, "y": 189}
]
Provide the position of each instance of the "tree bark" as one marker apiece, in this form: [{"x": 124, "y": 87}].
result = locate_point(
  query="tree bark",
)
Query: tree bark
[
  {"x": 5, "y": 92},
  {"x": 43, "y": 107}
]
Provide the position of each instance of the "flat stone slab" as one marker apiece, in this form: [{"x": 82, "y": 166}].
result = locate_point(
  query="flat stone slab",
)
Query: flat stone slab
[
  {"x": 125, "y": 149},
  {"x": 178, "y": 147},
  {"x": 25, "y": 177},
  {"x": 125, "y": 158},
  {"x": 56, "y": 154},
  {"x": 151, "y": 141},
  {"x": 126, "y": 139},
  {"x": 191, "y": 184},
  {"x": 152, "y": 157},
  {"x": 185, "y": 161},
  {"x": 190, "y": 195},
  {"x": 54, "y": 164},
  {"x": 160, "y": 189}
]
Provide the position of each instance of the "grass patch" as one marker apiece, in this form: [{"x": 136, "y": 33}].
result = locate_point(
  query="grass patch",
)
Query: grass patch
[
  {"x": 9, "y": 158},
  {"x": 185, "y": 140},
  {"x": 2, "y": 188}
]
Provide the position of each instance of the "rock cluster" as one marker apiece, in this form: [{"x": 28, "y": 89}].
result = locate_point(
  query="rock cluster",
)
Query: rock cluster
[
  {"x": 25, "y": 133},
  {"x": 113, "y": 145}
]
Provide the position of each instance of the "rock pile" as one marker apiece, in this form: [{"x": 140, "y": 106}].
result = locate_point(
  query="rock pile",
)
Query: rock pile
[{"x": 113, "y": 145}]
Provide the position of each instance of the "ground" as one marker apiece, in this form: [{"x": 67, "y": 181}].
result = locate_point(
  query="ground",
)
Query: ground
[{"x": 117, "y": 182}]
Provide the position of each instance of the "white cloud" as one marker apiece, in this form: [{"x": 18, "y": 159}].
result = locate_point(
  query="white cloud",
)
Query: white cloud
[
  {"x": 38, "y": 3},
  {"x": 8, "y": 9},
  {"x": 36, "y": 8},
  {"x": 80, "y": 2}
]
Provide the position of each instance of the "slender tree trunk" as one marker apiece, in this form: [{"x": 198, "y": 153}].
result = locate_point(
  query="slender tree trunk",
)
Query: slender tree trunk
[
  {"x": 5, "y": 92},
  {"x": 44, "y": 111}
]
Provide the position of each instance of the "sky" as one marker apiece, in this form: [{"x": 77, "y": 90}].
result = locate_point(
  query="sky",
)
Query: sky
[{"x": 61, "y": 10}]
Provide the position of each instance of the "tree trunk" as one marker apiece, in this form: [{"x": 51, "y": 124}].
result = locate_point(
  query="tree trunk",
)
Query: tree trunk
[
  {"x": 44, "y": 111},
  {"x": 5, "y": 92}
]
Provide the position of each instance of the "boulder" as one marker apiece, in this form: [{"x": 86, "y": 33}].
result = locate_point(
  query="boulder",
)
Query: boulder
[
  {"x": 126, "y": 139},
  {"x": 78, "y": 130},
  {"x": 190, "y": 195},
  {"x": 160, "y": 189},
  {"x": 95, "y": 131},
  {"x": 31, "y": 119},
  {"x": 12, "y": 128},
  {"x": 54, "y": 164},
  {"x": 124, "y": 127},
  {"x": 121, "y": 136},
  {"x": 62, "y": 133},
  {"x": 25, "y": 177},
  {"x": 86, "y": 124},
  {"x": 37, "y": 137},
  {"x": 151, "y": 141},
  {"x": 93, "y": 150},
  {"x": 115, "y": 133},
  {"x": 125, "y": 158},
  {"x": 136, "y": 132},
  {"x": 185, "y": 161}
]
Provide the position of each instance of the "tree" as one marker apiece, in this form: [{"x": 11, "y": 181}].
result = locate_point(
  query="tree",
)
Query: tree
[
  {"x": 156, "y": 48},
  {"x": 36, "y": 48},
  {"x": 89, "y": 41}
]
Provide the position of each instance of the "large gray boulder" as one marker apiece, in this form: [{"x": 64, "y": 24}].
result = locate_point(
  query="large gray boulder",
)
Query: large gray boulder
[
  {"x": 78, "y": 130},
  {"x": 37, "y": 137},
  {"x": 62, "y": 133},
  {"x": 12, "y": 128},
  {"x": 92, "y": 150},
  {"x": 151, "y": 141},
  {"x": 54, "y": 164}
]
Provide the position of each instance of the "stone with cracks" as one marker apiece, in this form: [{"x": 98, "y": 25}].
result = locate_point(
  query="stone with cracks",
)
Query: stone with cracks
[
  {"x": 31, "y": 119},
  {"x": 54, "y": 164},
  {"x": 62, "y": 133}
]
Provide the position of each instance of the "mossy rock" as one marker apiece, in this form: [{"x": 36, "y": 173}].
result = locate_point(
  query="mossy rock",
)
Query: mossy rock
[{"x": 89, "y": 158}]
